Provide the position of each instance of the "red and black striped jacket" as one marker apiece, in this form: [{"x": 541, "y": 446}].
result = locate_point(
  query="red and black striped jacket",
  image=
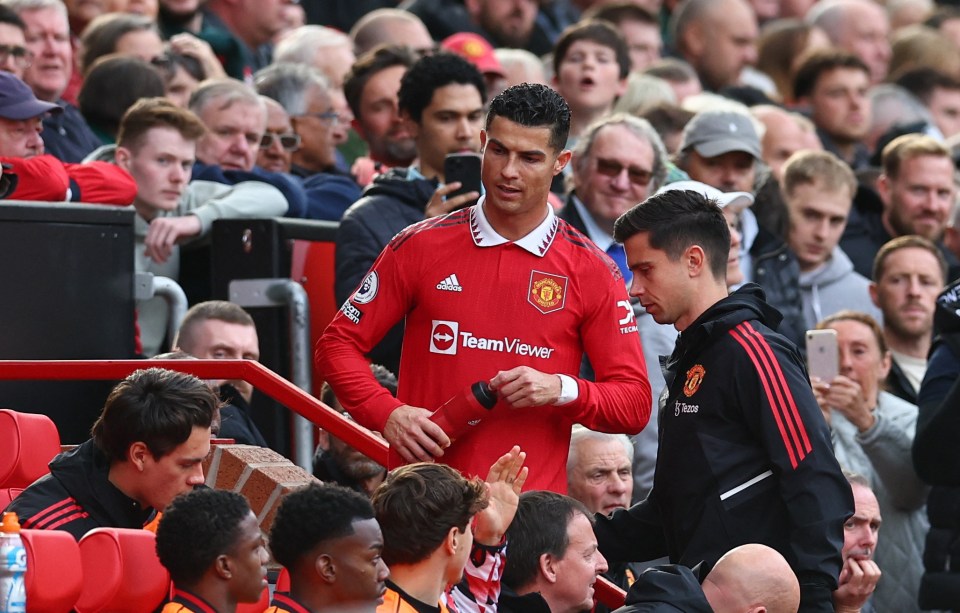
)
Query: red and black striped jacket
[
  {"x": 744, "y": 456},
  {"x": 77, "y": 497}
]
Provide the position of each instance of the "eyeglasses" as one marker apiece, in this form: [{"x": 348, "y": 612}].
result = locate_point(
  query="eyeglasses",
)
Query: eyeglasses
[
  {"x": 289, "y": 142},
  {"x": 22, "y": 56},
  {"x": 613, "y": 168},
  {"x": 329, "y": 117}
]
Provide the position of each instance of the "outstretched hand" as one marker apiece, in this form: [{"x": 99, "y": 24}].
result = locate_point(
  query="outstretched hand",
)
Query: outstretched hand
[{"x": 504, "y": 483}]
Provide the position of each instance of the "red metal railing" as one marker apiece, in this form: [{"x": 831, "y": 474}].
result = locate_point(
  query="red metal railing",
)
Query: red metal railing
[{"x": 254, "y": 373}]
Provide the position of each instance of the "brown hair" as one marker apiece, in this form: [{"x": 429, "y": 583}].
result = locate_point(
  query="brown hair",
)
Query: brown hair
[
  {"x": 905, "y": 242},
  {"x": 220, "y": 310},
  {"x": 860, "y": 317},
  {"x": 418, "y": 504},
  {"x": 907, "y": 147},
  {"x": 817, "y": 168},
  {"x": 150, "y": 113},
  {"x": 781, "y": 41}
]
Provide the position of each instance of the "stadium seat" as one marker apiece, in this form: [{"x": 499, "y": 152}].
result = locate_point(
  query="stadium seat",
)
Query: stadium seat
[
  {"x": 7, "y": 494},
  {"x": 121, "y": 572},
  {"x": 28, "y": 442},
  {"x": 54, "y": 572},
  {"x": 283, "y": 580}
]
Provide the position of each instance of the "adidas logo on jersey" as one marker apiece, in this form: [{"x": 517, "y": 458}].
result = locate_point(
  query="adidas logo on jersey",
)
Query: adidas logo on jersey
[{"x": 450, "y": 284}]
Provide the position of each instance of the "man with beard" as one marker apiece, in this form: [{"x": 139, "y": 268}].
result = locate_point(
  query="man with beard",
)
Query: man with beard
[
  {"x": 371, "y": 88},
  {"x": 338, "y": 462},
  {"x": 908, "y": 274},
  {"x": 917, "y": 191},
  {"x": 509, "y": 24}
]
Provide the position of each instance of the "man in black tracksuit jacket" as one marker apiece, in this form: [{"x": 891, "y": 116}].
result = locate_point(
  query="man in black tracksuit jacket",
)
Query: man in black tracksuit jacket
[
  {"x": 745, "y": 455},
  {"x": 147, "y": 447}
]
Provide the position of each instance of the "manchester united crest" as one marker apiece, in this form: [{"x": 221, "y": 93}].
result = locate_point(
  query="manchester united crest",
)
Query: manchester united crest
[
  {"x": 547, "y": 292},
  {"x": 694, "y": 379}
]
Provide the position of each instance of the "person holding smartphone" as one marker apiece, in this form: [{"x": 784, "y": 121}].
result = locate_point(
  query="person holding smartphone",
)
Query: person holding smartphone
[
  {"x": 441, "y": 102},
  {"x": 872, "y": 433}
]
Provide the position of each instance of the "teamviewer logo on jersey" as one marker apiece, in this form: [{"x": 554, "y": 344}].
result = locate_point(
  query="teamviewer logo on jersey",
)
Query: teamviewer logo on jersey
[{"x": 443, "y": 337}]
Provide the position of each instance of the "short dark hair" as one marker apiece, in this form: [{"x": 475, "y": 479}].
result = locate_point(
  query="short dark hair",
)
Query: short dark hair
[
  {"x": 369, "y": 64},
  {"x": 677, "y": 219},
  {"x": 197, "y": 527},
  {"x": 533, "y": 105},
  {"x": 621, "y": 11},
  {"x": 596, "y": 31},
  {"x": 220, "y": 310},
  {"x": 156, "y": 406},
  {"x": 10, "y": 17},
  {"x": 149, "y": 113},
  {"x": 922, "y": 81},
  {"x": 819, "y": 62},
  {"x": 539, "y": 527},
  {"x": 430, "y": 73},
  {"x": 101, "y": 35},
  {"x": 312, "y": 515},
  {"x": 102, "y": 103},
  {"x": 418, "y": 504}
]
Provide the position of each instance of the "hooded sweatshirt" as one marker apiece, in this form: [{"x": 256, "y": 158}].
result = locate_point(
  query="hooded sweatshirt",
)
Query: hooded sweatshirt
[{"x": 835, "y": 286}]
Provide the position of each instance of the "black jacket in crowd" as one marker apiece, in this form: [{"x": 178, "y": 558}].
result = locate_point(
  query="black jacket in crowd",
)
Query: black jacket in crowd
[
  {"x": 669, "y": 588},
  {"x": 391, "y": 203},
  {"x": 77, "y": 497},
  {"x": 936, "y": 459},
  {"x": 745, "y": 456}
]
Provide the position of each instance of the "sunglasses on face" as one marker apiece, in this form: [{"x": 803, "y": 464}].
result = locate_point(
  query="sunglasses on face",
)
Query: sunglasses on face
[
  {"x": 613, "y": 168},
  {"x": 289, "y": 142}
]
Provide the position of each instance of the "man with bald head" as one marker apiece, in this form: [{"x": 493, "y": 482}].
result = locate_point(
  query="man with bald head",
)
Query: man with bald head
[
  {"x": 860, "y": 27},
  {"x": 389, "y": 26},
  {"x": 786, "y": 133},
  {"x": 751, "y": 578},
  {"x": 718, "y": 38}
]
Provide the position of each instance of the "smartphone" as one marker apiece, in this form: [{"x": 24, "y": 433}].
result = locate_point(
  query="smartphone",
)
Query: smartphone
[
  {"x": 465, "y": 168},
  {"x": 823, "y": 358}
]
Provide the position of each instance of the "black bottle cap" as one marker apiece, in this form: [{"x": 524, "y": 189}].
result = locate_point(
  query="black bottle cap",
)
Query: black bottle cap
[{"x": 484, "y": 395}]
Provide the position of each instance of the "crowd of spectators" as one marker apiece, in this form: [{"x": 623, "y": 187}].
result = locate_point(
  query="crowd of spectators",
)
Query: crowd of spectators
[{"x": 797, "y": 165}]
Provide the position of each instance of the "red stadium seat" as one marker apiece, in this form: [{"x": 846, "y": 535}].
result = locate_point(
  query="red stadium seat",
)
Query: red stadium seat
[
  {"x": 121, "y": 572},
  {"x": 283, "y": 580},
  {"x": 27, "y": 444},
  {"x": 7, "y": 494},
  {"x": 54, "y": 572}
]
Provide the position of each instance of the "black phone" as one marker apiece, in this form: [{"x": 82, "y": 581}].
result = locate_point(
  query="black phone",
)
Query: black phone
[{"x": 465, "y": 168}]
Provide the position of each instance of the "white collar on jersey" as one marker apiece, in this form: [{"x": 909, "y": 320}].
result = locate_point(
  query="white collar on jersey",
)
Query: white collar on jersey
[{"x": 537, "y": 242}]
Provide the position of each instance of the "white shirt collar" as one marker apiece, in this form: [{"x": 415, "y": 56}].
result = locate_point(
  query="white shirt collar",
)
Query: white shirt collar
[
  {"x": 599, "y": 237},
  {"x": 537, "y": 242}
]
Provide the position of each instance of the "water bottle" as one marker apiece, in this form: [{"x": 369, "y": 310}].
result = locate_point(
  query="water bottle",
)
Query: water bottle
[
  {"x": 457, "y": 415},
  {"x": 465, "y": 410},
  {"x": 13, "y": 566}
]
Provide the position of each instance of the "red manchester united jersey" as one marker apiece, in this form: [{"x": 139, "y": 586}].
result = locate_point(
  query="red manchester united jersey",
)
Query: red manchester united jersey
[{"x": 475, "y": 304}]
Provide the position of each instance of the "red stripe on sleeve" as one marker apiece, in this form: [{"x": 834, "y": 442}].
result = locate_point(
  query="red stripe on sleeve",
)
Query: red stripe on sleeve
[{"x": 789, "y": 442}]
